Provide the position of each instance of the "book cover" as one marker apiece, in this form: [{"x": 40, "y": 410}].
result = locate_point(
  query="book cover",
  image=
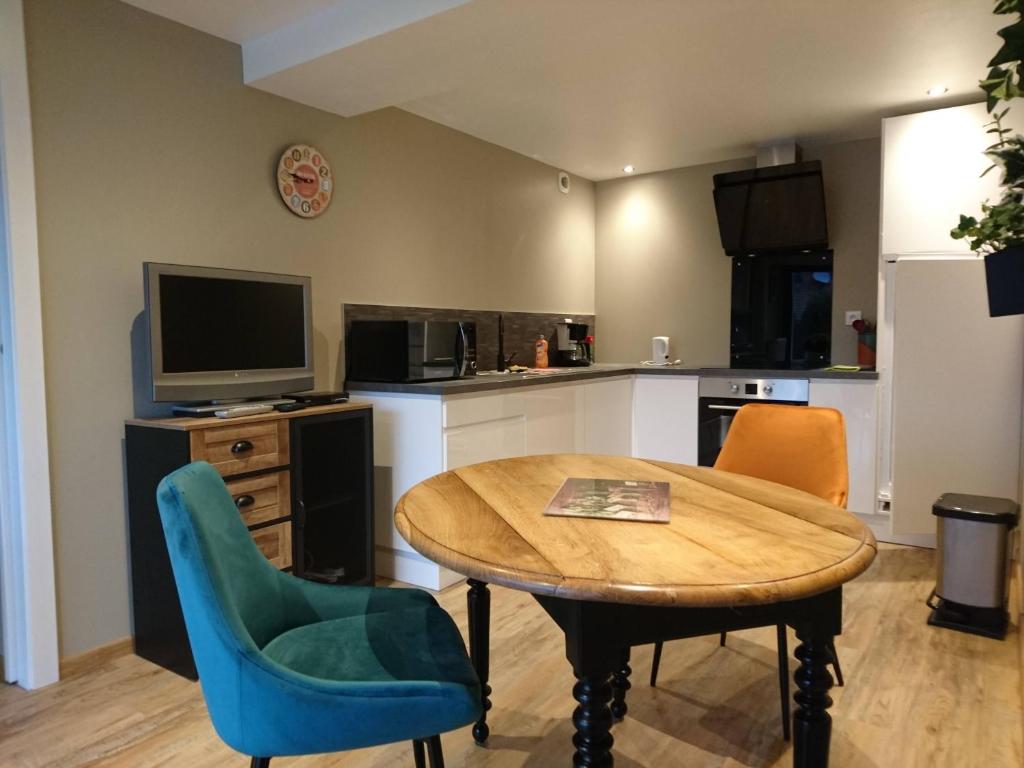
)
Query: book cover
[{"x": 639, "y": 500}]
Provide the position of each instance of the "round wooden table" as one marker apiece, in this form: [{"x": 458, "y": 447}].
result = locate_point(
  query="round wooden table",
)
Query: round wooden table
[{"x": 737, "y": 553}]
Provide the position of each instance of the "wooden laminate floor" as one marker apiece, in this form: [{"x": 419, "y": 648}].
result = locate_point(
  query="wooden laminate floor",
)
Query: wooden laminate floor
[{"x": 915, "y": 696}]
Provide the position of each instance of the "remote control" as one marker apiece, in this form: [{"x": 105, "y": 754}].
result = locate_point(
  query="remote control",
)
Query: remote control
[
  {"x": 242, "y": 410},
  {"x": 289, "y": 407}
]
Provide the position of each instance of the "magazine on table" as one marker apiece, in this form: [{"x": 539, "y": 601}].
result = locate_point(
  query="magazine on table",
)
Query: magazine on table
[{"x": 638, "y": 500}]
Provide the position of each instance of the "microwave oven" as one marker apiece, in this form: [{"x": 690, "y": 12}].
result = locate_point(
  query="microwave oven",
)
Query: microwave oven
[{"x": 410, "y": 350}]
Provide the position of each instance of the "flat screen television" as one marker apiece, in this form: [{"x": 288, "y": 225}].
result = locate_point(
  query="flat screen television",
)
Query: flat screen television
[
  {"x": 225, "y": 334},
  {"x": 772, "y": 209}
]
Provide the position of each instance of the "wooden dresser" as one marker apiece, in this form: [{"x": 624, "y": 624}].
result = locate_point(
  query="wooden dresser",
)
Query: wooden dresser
[{"x": 302, "y": 482}]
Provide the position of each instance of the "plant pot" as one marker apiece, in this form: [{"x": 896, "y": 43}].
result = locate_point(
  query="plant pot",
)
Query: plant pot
[
  {"x": 1004, "y": 274},
  {"x": 866, "y": 349}
]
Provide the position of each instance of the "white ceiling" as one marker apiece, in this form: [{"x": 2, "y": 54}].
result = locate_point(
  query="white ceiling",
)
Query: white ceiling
[
  {"x": 234, "y": 20},
  {"x": 590, "y": 85}
]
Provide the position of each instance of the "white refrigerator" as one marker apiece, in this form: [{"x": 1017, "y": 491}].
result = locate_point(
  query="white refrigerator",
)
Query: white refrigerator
[
  {"x": 951, "y": 378},
  {"x": 951, "y": 382}
]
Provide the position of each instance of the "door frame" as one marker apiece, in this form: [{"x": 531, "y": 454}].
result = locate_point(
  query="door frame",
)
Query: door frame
[
  {"x": 9, "y": 640},
  {"x": 30, "y": 605}
]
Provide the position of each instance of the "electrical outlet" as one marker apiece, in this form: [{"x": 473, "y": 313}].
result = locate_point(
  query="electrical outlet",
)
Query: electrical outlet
[{"x": 852, "y": 315}]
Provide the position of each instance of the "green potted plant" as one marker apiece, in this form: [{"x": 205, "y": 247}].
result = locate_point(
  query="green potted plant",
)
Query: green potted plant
[{"x": 999, "y": 233}]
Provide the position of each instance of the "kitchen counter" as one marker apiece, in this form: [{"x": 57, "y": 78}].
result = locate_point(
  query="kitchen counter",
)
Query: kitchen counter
[
  {"x": 739, "y": 373},
  {"x": 485, "y": 382}
]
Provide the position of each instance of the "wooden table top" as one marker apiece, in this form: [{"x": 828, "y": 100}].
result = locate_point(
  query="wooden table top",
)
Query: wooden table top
[{"x": 732, "y": 540}]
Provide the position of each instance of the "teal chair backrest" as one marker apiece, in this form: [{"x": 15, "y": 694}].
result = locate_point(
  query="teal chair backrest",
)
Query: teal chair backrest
[
  {"x": 231, "y": 583},
  {"x": 234, "y": 601}
]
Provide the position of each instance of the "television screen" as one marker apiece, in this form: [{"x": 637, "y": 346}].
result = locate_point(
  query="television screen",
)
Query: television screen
[
  {"x": 213, "y": 324},
  {"x": 771, "y": 209},
  {"x": 219, "y": 334}
]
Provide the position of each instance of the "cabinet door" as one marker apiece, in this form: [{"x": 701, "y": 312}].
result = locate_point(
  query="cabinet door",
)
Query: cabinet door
[
  {"x": 858, "y": 402},
  {"x": 608, "y": 415},
  {"x": 665, "y": 418},
  {"x": 552, "y": 425},
  {"x": 332, "y": 487},
  {"x": 931, "y": 173},
  {"x": 484, "y": 441}
]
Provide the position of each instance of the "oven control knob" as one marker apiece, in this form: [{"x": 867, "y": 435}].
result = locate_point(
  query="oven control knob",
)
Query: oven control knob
[
  {"x": 734, "y": 388},
  {"x": 768, "y": 389}
]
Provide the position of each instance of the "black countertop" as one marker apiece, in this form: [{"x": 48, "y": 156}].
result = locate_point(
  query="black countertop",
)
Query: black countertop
[{"x": 485, "y": 382}]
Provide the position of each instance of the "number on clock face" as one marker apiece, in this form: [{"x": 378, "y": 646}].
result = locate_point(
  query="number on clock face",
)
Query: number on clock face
[{"x": 304, "y": 180}]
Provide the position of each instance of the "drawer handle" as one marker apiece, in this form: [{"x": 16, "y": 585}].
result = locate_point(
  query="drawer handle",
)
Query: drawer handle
[
  {"x": 245, "y": 500},
  {"x": 241, "y": 447}
]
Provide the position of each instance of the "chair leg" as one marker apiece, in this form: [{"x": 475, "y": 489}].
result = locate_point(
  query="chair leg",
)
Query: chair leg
[
  {"x": 783, "y": 644},
  {"x": 434, "y": 747},
  {"x": 418, "y": 753},
  {"x": 721, "y": 640},
  {"x": 260, "y": 762},
  {"x": 835, "y": 663},
  {"x": 655, "y": 663}
]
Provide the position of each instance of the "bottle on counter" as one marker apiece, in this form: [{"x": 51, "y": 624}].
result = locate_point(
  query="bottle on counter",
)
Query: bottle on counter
[
  {"x": 540, "y": 358},
  {"x": 590, "y": 348}
]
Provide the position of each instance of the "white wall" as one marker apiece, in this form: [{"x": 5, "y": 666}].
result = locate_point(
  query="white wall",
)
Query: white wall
[{"x": 28, "y": 565}]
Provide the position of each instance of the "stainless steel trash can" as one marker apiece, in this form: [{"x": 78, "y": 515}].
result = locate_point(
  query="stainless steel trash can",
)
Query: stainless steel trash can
[{"x": 973, "y": 563}]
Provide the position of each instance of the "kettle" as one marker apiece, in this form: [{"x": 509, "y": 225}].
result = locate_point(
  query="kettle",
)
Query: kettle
[{"x": 659, "y": 350}]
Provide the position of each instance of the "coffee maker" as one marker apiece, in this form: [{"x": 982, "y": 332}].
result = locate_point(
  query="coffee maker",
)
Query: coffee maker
[{"x": 570, "y": 347}]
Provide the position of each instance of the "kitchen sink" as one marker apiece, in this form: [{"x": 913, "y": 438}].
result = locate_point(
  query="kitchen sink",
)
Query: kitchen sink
[{"x": 529, "y": 373}]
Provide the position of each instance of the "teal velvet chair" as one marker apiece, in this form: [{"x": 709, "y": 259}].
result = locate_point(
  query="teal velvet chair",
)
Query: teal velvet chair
[{"x": 290, "y": 667}]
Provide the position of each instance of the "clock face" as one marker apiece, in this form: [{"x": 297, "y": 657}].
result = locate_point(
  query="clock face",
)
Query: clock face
[{"x": 305, "y": 180}]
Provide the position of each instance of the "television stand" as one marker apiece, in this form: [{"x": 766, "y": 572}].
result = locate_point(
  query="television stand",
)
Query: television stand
[
  {"x": 302, "y": 483},
  {"x": 207, "y": 409}
]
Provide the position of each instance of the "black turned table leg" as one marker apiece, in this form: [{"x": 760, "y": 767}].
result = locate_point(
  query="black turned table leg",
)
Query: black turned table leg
[
  {"x": 597, "y": 647},
  {"x": 812, "y": 724},
  {"x": 593, "y": 721},
  {"x": 479, "y": 602},
  {"x": 621, "y": 684}
]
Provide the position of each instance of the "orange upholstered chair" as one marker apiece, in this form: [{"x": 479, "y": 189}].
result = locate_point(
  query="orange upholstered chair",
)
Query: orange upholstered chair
[
  {"x": 802, "y": 447},
  {"x": 798, "y": 446}
]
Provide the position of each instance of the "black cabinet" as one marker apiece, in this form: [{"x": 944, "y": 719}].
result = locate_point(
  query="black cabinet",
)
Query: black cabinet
[
  {"x": 332, "y": 483},
  {"x": 303, "y": 486}
]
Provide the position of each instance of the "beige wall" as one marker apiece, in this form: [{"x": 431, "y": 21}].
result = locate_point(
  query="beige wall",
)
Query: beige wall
[
  {"x": 660, "y": 269},
  {"x": 853, "y": 184},
  {"x": 149, "y": 148}
]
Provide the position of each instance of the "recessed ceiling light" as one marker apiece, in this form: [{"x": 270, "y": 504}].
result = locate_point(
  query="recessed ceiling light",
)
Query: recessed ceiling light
[
  {"x": 628, "y": 168},
  {"x": 937, "y": 90}
]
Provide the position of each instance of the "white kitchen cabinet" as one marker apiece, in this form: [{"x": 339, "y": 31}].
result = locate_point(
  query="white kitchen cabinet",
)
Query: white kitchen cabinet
[
  {"x": 554, "y": 418},
  {"x": 665, "y": 418},
  {"x": 486, "y": 441},
  {"x": 608, "y": 416},
  {"x": 857, "y": 400},
  {"x": 407, "y": 448},
  {"x": 483, "y": 427},
  {"x": 931, "y": 173}
]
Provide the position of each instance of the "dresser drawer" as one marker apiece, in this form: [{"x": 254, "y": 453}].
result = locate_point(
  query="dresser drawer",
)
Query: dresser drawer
[
  {"x": 262, "y": 498},
  {"x": 275, "y": 542},
  {"x": 234, "y": 449}
]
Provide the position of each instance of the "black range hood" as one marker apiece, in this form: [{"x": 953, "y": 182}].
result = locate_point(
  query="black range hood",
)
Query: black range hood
[{"x": 772, "y": 209}]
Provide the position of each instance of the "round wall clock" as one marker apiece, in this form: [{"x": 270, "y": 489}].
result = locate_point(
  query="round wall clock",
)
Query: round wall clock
[{"x": 304, "y": 180}]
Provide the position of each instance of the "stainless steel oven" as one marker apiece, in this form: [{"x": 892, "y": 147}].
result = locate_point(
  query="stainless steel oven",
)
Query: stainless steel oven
[{"x": 719, "y": 399}]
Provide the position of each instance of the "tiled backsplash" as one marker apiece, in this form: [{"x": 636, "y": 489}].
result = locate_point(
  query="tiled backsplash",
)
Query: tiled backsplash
[{"x": 521, "y": 328}]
